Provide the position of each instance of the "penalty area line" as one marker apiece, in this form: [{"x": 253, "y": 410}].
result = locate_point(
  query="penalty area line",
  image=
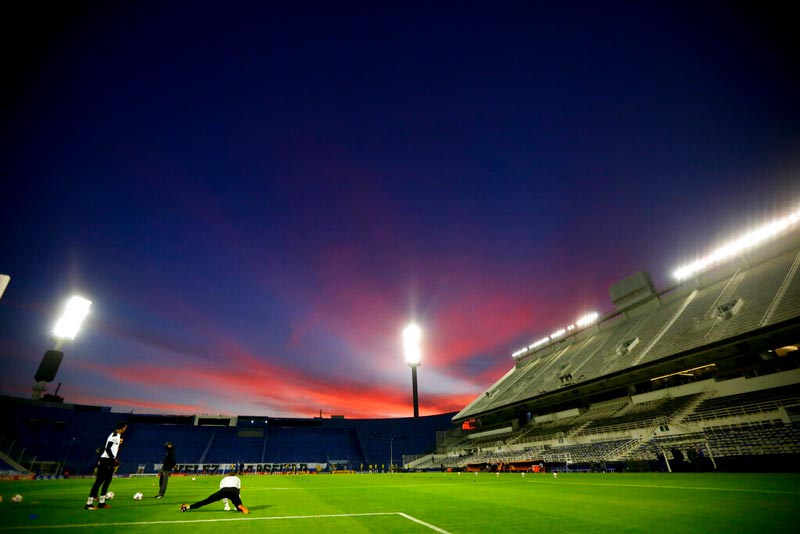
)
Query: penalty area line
[{"x": 221, "y": 520}]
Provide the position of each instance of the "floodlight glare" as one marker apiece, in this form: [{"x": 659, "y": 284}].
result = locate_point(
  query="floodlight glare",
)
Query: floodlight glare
[
  {"x": 749, "y": 240},
  {"x": 558, "y": 333},
  {"x": 586, "y": 320},
  {"x": 411, "y": 338},
  {"x": 75, "y": 312}
]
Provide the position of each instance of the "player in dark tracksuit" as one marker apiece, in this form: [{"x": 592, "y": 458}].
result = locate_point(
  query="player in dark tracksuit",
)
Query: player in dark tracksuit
[
  {"x": 166, "y": 469},
  {"x": 105, "y": 468}
]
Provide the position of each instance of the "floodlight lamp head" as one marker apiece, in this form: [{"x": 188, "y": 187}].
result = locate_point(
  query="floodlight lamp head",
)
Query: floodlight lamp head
[
  {"x": 70, "y": 322},
  {"x": 4, "y": 280},
  {"x": 411, "y": 338}
]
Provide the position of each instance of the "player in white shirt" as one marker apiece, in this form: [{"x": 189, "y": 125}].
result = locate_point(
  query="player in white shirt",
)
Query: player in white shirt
[
  {"x": 229, "y": 488},
  {"x": 105, "y": 468}
]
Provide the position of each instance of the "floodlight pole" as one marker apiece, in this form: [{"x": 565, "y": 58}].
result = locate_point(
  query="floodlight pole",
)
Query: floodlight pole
[
  {"x": 414, "y": 389},
  {"x": 39, "y": 389},
  {"x": 411, "y": 337}
]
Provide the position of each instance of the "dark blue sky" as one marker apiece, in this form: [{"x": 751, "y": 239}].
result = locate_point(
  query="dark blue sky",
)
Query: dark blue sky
[{"x": 258, "y": 196}]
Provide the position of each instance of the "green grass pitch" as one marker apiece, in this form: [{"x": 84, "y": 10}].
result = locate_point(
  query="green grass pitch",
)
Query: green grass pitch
[{"x": 422, "y": 503}]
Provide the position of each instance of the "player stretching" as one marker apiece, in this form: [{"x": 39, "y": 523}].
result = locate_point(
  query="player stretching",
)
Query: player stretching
[{"x": 229, "y": 488}]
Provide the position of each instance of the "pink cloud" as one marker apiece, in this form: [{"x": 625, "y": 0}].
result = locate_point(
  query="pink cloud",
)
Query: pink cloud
[{"x": 242, "y": 378}]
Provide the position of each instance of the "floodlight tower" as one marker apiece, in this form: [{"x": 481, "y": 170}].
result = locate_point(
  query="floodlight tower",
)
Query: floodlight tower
[
  {"x": 66, "y": 328},
  {"x": 411, "y": 337}
]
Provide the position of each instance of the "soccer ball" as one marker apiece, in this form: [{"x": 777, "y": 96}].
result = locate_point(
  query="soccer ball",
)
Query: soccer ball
[
  {"x": 138, "y": 496},
  {"x": 109, "y": 495},
  {"x": 16, "y": 498}
]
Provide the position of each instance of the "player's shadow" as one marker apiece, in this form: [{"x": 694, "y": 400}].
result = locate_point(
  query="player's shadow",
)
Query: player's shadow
[
  {"x": 260, "y": 507},
  {"x": 250, "y": 508}
]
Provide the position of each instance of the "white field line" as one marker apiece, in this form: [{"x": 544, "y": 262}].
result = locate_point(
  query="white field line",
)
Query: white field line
[
  {"x": 191, "y": 521},
  {"x": 423, "y": 523},
  {"x": 337, "y": 488}
]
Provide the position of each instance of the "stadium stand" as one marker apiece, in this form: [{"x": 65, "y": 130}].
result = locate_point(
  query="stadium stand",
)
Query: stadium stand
[
  {"x": 763, "y": 401},
  {"x": 52, "y": 438},
  {"x": 707, "y": 367}
]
